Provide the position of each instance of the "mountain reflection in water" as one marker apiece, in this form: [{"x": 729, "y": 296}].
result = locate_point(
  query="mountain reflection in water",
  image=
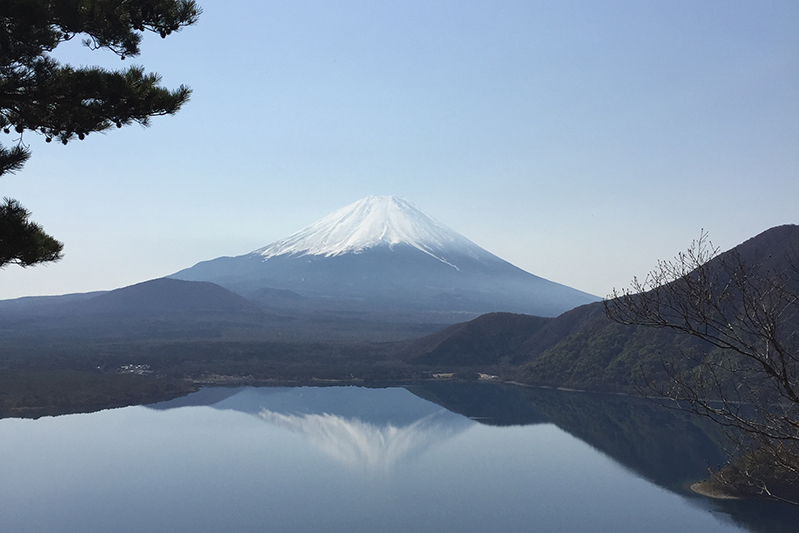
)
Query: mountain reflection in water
[
  {"x": 375, "y": 448},
  {"x": 370, "y": 429},
  {"x": 376, "y": 430}
]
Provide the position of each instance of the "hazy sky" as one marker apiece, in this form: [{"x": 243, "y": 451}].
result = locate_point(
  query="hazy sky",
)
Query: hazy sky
[{"x": 581, "y": 141}]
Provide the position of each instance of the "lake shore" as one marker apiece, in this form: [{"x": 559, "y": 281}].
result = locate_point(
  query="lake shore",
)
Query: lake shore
[{"x": 710, "y": 490}]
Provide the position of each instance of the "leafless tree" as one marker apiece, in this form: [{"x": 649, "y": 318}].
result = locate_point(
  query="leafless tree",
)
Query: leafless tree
[{"x": 747, "y": 313}]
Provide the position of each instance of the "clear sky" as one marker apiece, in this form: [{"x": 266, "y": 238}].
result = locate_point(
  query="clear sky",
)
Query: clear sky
[{"x": 581, "y": 141}]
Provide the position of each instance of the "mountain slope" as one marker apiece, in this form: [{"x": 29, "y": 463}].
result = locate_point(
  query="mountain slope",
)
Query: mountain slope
[
  {"x": 487, "y": 340},
  {"x": 165, "y": 297},
  {"x": 380, "y": 254},
  {"x": 146, "y": 309},
  {"x": 582, "y": 348},
  {"x": 375, "y": 221}
]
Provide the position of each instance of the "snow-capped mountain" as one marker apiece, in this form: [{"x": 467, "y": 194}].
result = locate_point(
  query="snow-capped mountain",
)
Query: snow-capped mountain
[
  {"x": 375, "y": 221},
  {"x": 383, "y": 254}
]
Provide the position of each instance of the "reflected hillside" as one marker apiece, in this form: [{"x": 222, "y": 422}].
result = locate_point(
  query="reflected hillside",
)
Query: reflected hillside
[
  {"x": 488, "y": 403},
  {"x": 664, "y": 446},
  {"x": 667, "y": 447}
]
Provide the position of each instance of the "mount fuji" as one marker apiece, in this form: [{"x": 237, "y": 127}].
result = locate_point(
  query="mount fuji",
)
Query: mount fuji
[{"x": 382, "y": 254}]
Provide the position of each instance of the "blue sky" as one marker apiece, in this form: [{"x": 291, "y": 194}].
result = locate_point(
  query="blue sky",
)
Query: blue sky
[{"x": 581, "y": 141}]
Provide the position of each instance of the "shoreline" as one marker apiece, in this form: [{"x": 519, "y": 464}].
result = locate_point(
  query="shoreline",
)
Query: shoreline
[{"x": 705, "y": 488}]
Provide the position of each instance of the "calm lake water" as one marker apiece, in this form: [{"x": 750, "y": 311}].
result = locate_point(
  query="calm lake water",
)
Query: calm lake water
[{"x": 441, "y": 457}]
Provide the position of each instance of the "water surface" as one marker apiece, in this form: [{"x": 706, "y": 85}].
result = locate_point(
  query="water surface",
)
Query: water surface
[{"x": 346, "y": 459}]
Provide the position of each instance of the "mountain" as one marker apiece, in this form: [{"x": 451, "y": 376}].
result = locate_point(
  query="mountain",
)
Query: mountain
[
  {"x": 583, "y": 348},
  {"x": 148, "y": 309},
  {"x": 487, "y": 340},
  {"x": 172, "y": 298},
  {"x": 382, "y": 254}
]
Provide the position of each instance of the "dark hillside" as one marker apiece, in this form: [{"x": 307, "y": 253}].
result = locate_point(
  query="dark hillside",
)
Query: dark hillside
[
  {"x": 580, "y": 349},
  {"x": 594, "y": 352},
  {"x": 151, "y": 309},
  {"x": 583, "y": 348},
  {"x": 490, "y": 339},
  {"x": 771, "y": 250},
  {"x": 171, "y": 298},
  {"x": 599, "y": 354}
]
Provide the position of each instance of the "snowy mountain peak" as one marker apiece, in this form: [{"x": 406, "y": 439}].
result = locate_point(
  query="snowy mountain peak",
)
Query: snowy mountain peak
[{"x": 375, "y": 221}]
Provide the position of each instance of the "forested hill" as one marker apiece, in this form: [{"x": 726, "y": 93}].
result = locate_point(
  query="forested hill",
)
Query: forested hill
[
  {"x": 580, "y": 349},
  {"x": 583, "y": 348}
]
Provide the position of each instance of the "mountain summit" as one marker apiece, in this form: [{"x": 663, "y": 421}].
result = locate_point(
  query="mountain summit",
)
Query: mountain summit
[
  {"x": 372, "y": 222},
  {"x": 382, "y": 254}
]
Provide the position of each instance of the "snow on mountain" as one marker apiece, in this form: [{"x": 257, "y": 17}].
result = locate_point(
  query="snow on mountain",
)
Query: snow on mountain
[
  {"x": 375, "y": 221},
  {"x": 382, "y": 254}
]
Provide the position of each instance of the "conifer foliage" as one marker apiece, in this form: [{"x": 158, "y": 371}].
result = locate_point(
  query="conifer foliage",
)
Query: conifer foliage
[
  {"x": 23, "y": 242},
  {"x": 65, "y": 103}
]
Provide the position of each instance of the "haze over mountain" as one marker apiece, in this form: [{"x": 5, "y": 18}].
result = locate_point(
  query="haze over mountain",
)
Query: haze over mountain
[{"x": 381, "y": 253}]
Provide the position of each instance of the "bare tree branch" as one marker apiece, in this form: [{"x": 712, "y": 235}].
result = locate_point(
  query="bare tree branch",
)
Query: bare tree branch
[{"x": 748, "y": 380}]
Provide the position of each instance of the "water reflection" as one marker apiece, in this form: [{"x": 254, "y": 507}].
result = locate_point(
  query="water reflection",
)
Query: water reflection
[
  {"x": 665, "y": 446},
  {"x": 376, "y": 430},
  {"x": 374, "y": 448},
  {"x": 439, "y": 457},
  {"x": 369, "y": 429},
  {"x": 668, "y": 447}
]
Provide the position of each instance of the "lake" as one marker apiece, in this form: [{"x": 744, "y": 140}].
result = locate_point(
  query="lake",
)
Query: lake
[{"x": 437, "y": 457}]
